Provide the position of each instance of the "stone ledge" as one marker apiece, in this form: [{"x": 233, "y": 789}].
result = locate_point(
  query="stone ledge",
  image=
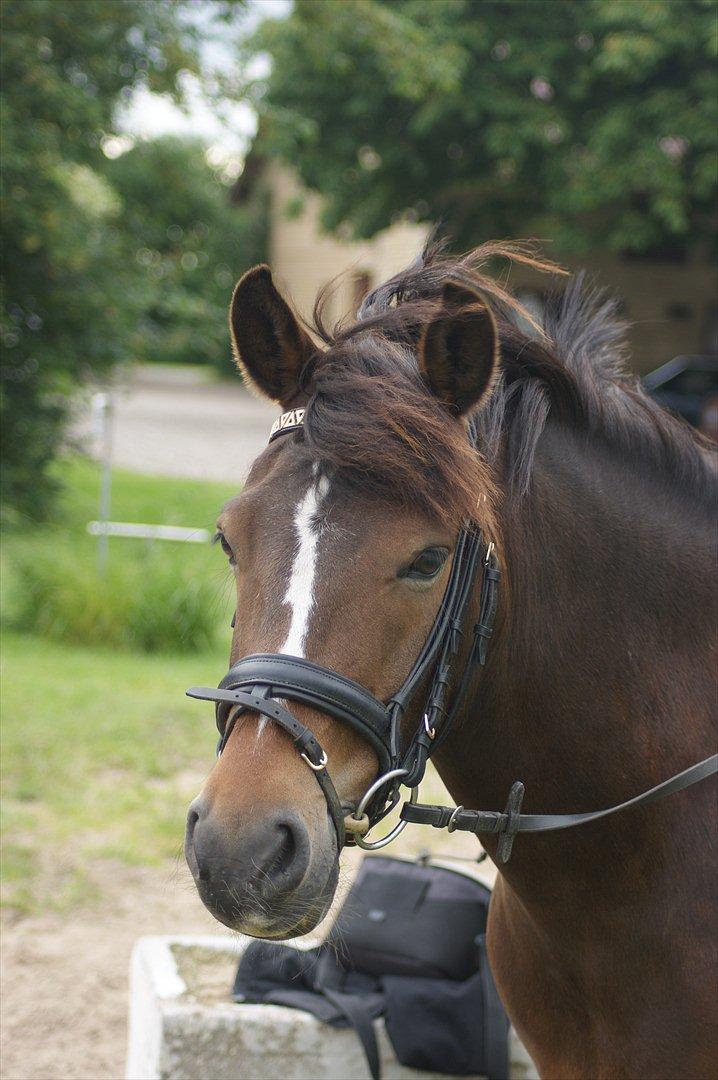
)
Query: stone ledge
[{"x": 184, "y": 1026}]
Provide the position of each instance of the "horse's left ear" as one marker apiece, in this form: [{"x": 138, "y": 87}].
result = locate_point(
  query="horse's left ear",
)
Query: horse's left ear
[{"x": 458, "y": 350}]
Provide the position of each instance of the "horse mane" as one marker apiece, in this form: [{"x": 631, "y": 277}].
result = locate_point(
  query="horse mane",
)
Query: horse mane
[{"x": 572, "y": 365}]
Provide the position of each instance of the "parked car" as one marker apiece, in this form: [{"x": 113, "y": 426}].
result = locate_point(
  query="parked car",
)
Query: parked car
[{"x": 688, "y": 385}]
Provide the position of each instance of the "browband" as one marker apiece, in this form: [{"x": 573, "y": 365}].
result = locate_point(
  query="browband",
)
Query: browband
[{"x": 288, "y": 421}]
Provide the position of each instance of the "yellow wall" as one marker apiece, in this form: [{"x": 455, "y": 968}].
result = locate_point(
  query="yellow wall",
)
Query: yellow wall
[{"x": 304, "y": 258}]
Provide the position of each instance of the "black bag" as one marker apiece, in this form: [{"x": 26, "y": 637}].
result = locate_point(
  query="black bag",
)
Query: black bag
[{"x": 408, "y": 944}]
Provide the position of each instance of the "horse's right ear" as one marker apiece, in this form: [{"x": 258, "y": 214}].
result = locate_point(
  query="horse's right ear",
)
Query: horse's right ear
[{"x": 269, "y": 344}]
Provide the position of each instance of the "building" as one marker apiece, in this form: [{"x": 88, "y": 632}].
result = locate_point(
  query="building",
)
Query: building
[{"x": 671, "y": 305}]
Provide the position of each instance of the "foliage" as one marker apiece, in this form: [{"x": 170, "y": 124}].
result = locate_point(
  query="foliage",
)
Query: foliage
[
  {"x": 143, "y": 604},
  {"x": 159, "y": 597},
  {"x": 586, "y": 121},
  {"x": 70, "y": 292},
  {"x": 190, "y": 245}
]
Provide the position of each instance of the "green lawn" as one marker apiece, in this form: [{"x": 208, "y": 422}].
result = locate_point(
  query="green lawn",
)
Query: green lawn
[
  {"x": 159, "y": 596},
  {"x": 101, "y": 754},
  {"x": 101, "y": 751},
  {"x": 152, "y": 499}
]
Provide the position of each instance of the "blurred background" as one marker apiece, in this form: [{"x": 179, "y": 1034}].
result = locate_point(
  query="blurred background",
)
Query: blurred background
[{"x": 151, "y": 153}]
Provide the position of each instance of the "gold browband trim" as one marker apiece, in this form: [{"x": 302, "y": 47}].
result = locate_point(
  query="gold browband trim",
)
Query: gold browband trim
[{"x": 288, "y": 421}]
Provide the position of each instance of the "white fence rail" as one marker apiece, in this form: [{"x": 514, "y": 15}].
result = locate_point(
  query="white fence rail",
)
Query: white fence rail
[{"x": 148, "y": 532}]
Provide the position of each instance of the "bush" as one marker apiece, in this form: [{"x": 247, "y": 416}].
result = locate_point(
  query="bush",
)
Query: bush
[
  {"x": 189, "y": 244},
  {"x": 70, "y": 292},
  {"x": 146, "y": 602}
]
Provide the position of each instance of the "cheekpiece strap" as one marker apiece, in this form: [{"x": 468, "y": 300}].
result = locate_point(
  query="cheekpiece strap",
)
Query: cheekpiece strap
[{"x": 287, "y": 422}]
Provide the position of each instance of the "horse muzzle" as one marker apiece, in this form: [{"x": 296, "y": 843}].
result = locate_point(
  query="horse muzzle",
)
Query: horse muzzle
[{"x": 269, "y": 878}]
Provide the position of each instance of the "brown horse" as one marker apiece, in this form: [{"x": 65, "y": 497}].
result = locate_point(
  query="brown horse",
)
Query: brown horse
[{"x": 599, "y": 681}]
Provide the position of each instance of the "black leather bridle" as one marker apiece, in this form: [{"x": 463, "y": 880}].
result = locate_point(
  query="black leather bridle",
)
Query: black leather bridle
[{"x": 256, "y": 682}]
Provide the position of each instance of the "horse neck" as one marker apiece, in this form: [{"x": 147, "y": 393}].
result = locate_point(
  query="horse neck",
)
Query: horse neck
[{"x": 598, "y": 682}]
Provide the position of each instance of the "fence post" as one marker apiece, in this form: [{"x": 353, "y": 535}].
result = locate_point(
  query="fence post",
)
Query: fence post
[{"x": 102, "y": 414}]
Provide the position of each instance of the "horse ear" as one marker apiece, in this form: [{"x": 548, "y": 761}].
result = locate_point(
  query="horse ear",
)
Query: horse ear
[
  {"x": 269, "y": 344},
  {"x": 459, "y": 350}
]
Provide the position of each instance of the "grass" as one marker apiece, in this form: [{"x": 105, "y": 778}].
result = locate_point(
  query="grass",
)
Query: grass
[
  {"x": 152, "y": 499},
  {"x": 101, "y": 754},
  {"x": 101, "y": 751},
  {"x": 158, "y": 596}
]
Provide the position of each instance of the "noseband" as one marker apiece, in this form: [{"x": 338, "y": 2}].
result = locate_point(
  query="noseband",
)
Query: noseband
[{"x": 255, "y": 683}]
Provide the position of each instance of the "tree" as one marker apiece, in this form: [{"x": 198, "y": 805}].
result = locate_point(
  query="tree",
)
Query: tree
[
  {"x": 190, "y": 245},
  {"x": 68, "y": 298},
  {"x": 591, "y": 122}
]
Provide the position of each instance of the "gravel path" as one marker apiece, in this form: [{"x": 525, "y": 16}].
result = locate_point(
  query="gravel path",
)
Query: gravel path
[{"x": 172, "y": 421}]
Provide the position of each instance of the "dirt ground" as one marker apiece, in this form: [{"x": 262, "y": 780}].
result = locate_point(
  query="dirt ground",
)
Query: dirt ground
[{"x": 64, "y": 977}]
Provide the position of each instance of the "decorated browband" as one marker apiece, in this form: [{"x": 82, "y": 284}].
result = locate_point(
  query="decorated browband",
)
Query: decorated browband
[{"x": 288, "y": 421}]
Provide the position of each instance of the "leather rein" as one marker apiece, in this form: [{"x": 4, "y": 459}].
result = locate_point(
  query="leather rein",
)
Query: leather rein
[{"x": 256, "y": 681}]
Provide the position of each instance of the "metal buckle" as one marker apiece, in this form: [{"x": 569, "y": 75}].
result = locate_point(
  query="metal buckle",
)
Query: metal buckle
[
  {"x": 374, "y": 845},
  {"x": 489, "y": 552},
  {"x": 318, "y": 767},
  {"x": 430, "y": 731},
  {"x": 451, "y": 827}
]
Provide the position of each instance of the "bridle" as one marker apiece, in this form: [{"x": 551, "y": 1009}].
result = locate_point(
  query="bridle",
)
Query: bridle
[{"x": 256, "y": 682}]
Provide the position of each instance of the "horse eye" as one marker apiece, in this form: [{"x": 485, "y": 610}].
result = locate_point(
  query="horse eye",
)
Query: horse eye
[
  {"x": 221, "y": 539},
  {"x": 428, "y": 564}
]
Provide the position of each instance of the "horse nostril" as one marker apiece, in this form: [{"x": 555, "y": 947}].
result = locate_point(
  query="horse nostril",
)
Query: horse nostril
[
  {"x": 193, "y": 816},
  {"x": 285, "y": 851},
  {"x": 283, "y": 854},
  {"x": 231, "y": 865}
]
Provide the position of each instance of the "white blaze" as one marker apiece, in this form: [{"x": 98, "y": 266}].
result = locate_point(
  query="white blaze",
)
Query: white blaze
[{"x": 300, "y": 590}]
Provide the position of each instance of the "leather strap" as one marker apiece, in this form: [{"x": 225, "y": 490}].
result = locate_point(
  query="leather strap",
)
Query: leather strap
[
  {"x": 311, "y": 684},
  {"x": 305, "y": 742},
  {"x": 354, "y": 1009},
  {"x": 275, "y": 675},
  {"x": 329, "y": 980},
  {"x": 289, "y": 421},
  {"x": 297, "y": 679},
  {"x": 511, "y": 822}
]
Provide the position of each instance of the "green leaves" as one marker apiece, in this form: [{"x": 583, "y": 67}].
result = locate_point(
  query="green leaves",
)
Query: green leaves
[
  {"x": 589, "y": 121},
  {"x": 75, "y": 296},
  {"x": 187, "y": 245}
]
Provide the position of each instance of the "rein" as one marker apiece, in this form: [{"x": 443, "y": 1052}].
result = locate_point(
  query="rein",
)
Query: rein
[{"x": 256, "y": 681}]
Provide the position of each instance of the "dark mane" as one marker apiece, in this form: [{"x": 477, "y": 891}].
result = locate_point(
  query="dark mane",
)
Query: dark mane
[
  {"x": 370, "y": 415},
  {"x": 370, "y": 418}
]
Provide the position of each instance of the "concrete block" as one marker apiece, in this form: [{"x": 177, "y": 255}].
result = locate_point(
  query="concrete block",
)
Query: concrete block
[{"x": 183, "y": 1024}]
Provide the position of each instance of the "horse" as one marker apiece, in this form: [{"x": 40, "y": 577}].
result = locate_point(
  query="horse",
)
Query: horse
[{"x": 598, "y": 682}]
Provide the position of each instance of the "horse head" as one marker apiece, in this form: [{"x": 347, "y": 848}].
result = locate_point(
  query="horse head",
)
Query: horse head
[{"x": 341, "y": 544}]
